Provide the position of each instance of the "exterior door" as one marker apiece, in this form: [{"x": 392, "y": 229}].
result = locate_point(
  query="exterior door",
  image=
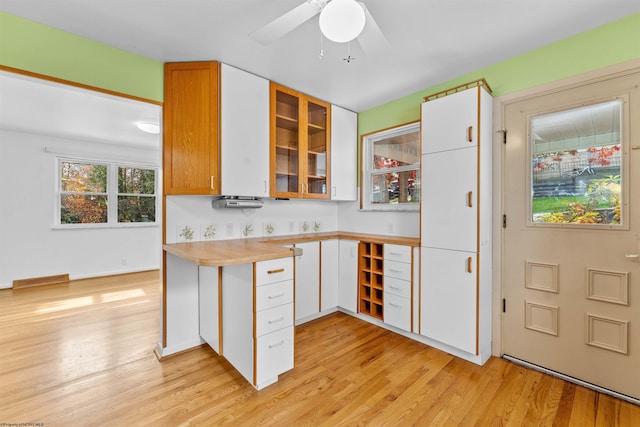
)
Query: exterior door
[{"x": 570, "y": 283}]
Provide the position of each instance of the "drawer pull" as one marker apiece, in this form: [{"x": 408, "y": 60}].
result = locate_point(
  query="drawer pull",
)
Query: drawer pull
[
  {"x": 281, "y": 294},
  {"x": 279, "y": 270},
  {"x": 280, "y": 319},
  {"x": 395, "y": 305},
  {"x": 394, "y": 270},
  {"x": 395, "y": 253},
  {"x": 394, "y": 287},
  {"x": 278, "y": 344}
]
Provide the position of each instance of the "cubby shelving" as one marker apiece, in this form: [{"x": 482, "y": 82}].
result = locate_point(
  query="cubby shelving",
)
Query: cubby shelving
[{"x": 370, "y": 280}]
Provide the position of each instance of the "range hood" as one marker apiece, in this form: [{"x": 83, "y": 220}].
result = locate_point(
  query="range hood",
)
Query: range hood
[{"x": 236, "y": 202}]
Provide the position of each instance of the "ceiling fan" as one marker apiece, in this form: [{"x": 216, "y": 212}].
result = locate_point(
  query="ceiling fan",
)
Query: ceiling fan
[{"x": 340, "y": 21}]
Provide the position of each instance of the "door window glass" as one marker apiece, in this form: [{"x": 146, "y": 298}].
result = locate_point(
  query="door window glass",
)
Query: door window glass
[{"x": 576, "y": 165}]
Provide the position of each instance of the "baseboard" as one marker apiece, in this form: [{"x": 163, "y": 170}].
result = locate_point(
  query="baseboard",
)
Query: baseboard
[{"x": 41, "y": 281}]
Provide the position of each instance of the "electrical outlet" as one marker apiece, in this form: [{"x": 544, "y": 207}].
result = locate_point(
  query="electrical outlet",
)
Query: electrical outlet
[
  {"x": 124, "y": 261},
  {"x": 228, "y": 230}
]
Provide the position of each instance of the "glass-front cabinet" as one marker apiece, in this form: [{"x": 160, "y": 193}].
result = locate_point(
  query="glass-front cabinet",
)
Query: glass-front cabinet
[{"x": 299, "y": 145}]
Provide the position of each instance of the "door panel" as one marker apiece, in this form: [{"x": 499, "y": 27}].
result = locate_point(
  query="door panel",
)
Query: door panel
[
  {"x": 458, "y": 111},
  {"x": 448, "y": 297},
  {"x": 566, "y": 286},
  {"x": 444, "y": 174}
]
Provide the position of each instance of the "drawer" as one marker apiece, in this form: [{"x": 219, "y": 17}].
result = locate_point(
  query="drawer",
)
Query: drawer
[
  {"x": 276, "y": 318},
  {"x": 397, "y": 311},
  {"x": 274, "y": 295},
  {"x": 274, "y": 270},
  {"x": 399, "y": 270},
  {"x": 398, "y": 287},
  {"x": 398, "y": 253},
  {"x": 274, "y": 354}
]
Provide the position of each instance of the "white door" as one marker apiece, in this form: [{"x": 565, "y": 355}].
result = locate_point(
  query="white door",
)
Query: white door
[
  {"x": 458, "y": 111},
  {"x": 450, "y": 199},
  {"x": 348, "y": 272},
  {"x": 307, "y": 293},
  {"x": 570, "y": 285},
  {"x": 329, "y": 258}
]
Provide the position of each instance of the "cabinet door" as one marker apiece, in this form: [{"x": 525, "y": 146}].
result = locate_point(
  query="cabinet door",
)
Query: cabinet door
[
  {"x": 329, "y": 274},
  {"x": 448, "y": 298},
  {"x": 244, "y": 131},
  {"x": 344, "y": 154},
  {"x": 285, "y": 144},
  {"x": 449, "y": 200},
  {"x": 450, "y": 122},
  {"x": 300, "y": 155},
  {"x": 317, "y": 168},
  {"x": 348, "y": 272},
  {"x": 190, "y": 121},
  {"x": 307, "y": 280}
]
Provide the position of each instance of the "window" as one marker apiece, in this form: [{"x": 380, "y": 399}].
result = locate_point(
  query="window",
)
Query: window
[
  {"x": 576, "y": 165},
  {"x": 391, "y": 169},
  {"x": 100, "y": 193}
]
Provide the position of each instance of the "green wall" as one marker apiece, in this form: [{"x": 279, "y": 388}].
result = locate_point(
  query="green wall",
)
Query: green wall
[
  {"x": 609, "y": 44},
  {"x": 41, "y": 49}
]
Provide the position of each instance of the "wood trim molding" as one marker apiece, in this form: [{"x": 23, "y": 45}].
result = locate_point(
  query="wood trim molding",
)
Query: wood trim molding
[
  {"x": 41, "y": 281},
  {"x": 78, "y": 85}
]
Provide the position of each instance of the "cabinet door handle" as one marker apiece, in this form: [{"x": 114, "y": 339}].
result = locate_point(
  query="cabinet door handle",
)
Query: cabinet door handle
[
  {"x": 469, "y": 261},
  {"x": 278, "y": 344},
  {"x": 333, "y": 190},
  {"x": 470, "y": 199},
  {"x": 280, "y": 319},
  {"x": 212, "y": 182},
  {"x": 470, "y": 134},
  {"x": 279, "y": 270},
  {"x": 265, "y": 186},
  {"x": 281, "y": 294}
]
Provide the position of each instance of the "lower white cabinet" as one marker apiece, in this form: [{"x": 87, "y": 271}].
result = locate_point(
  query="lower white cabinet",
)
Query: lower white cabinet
[
  {"x": 257, "y": 335},
  {"x": 307, "y": 294},
  {"x": 348, "y": 275},
  {"x": 208, "y": 311},
  {"x": 448, "y": 298},
  {"x": 329, "y": 274},
  {"x": 397, "y": 285}
]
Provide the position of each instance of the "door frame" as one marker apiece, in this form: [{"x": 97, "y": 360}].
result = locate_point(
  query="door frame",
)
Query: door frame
[{"x": 499, "y": 105}]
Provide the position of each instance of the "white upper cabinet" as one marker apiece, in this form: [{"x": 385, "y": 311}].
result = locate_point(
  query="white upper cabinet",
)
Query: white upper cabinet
[
  {"x": 244, "y": 133},
  {"x": 450, "y": 123},
  {"x": 344, "y": 154}
]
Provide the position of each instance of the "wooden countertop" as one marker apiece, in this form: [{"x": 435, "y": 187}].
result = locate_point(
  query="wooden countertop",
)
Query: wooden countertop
[{"x": 242, "y": 251}]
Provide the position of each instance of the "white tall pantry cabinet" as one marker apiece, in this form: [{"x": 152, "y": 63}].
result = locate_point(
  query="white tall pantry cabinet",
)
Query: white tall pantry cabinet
[{"x": 456, "y": 220}]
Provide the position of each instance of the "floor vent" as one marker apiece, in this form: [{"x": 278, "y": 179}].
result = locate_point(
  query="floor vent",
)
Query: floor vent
[{"x": 41, "y": 281}]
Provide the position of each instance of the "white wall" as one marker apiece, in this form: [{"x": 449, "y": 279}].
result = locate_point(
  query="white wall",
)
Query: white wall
[
  {"x": 351, "y": 218},
  {"x": 30, "y": 247}
]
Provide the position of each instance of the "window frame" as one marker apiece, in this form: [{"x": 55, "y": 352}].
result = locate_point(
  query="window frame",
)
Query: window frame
[
  {"x": 112, "y": 193},
  {"x": 368, "y": 171}
]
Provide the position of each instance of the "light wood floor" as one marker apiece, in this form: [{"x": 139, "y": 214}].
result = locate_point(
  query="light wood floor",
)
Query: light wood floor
[{"x": 82, "y": 355}]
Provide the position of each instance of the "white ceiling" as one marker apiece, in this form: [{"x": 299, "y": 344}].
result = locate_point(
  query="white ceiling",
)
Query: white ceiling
[
  {"x": 431, "y": 41},
  {"x": 47, "y": 108}
]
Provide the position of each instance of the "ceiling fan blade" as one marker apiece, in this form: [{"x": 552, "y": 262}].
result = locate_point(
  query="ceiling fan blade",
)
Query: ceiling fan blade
[
  {"x": 372, "y": 40},
  {"x": 287, "y": 22}
]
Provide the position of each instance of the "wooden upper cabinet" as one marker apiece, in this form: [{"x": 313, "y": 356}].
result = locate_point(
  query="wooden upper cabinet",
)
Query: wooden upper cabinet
[
  {"x": 300, "y": 151},
  {"x": 190, "y": 122}
]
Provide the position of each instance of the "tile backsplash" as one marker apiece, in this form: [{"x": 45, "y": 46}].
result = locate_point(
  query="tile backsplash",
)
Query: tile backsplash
[{"x": 192, "y": 219}]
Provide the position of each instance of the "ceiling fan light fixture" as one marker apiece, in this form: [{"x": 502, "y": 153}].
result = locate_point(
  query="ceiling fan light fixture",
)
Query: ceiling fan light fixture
[{"x": 342, "y": 20}]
